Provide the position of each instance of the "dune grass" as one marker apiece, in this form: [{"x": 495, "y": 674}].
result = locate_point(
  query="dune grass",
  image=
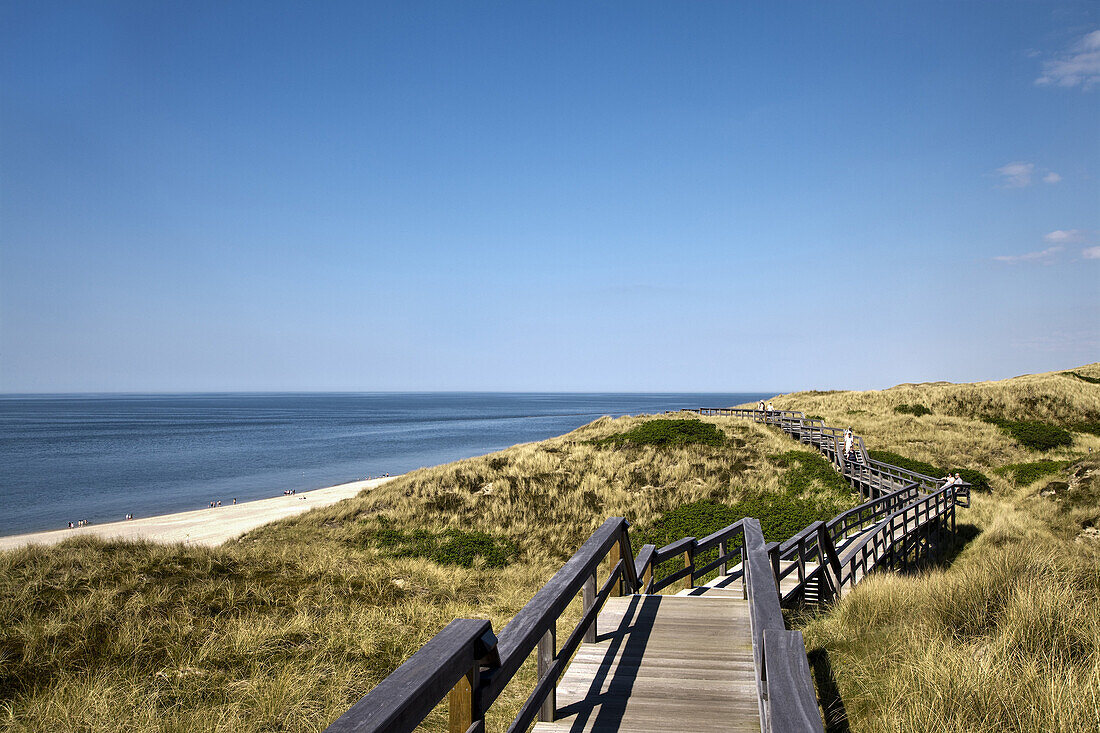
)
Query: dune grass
[
  {"x": 1006, "y": 637},
  {"x": 284, "y": 629}
]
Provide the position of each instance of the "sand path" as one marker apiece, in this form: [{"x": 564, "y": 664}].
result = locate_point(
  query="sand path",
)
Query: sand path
[{"x": 202, "y": 526}]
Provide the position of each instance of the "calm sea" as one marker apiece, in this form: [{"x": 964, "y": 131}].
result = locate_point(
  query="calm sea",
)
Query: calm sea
[{"x": 69, "y": 457}]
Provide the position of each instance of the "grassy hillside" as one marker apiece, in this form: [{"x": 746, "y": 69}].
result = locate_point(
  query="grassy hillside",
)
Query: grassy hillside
[
  {"x": 1006, "y": 637},
  {"x": 959, "y": 430},
  {"x": 284, "y": 629}
]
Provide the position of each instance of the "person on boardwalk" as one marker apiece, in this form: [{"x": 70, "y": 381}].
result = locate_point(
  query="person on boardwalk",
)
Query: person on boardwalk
[
  {"x": 761, "y": 409},
  {"x": 849, "y": 439}
]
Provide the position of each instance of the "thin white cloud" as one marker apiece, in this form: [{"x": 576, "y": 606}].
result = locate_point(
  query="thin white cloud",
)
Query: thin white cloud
[
  {"x": 1078, "y": 67},
  {"x": 1051, "y": 177},
  {"x": 1091, "y": 253},
  {"x": 1017, "y": 174},
  {"x": 1065, "y": 235},
  {"x": 1045, "y": 256}
]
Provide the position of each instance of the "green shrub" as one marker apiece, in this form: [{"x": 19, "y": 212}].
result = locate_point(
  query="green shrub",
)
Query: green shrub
[
  {"x": 1082, "y": 377},
  {"x": 916, "y": 410},
  {"x": 909, "y": 464},
  {"x": 978, "y": 481},
  {"x": 781, "y": 517},
  {"x": 1034, "y": 434},
  {"x": 1026, "y": 473},
  {"x": 668, "y": 433},
  {"x": 806, "y": 469},
  {"x": 782, "y": 514},
  {"x": 1091, "y": 426},
  {"x": 449, "y": 547}
]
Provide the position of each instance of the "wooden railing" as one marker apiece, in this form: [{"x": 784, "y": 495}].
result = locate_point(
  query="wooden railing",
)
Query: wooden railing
[
  {"x": 903, "y": 537},
  {"x": 466, "y": 662},
  {"x": 872, "y": 478},
  {"x": 785, "y": 690},
  {"x": 467, "y": 659}
]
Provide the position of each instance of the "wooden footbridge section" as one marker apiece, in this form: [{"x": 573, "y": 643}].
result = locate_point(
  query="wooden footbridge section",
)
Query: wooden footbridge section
[{"x": 711, "y": 656}]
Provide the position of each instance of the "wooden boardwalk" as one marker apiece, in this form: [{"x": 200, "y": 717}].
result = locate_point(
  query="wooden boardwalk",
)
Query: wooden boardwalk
[
  {"x": 714, "y": 656},
  {"x": 660, "y": 659}
]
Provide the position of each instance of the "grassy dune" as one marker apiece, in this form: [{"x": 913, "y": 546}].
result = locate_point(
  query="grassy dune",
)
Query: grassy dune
[
  {"x": 1006, "y": 637},
  {"x": 955, "y": 431},
  {"x": 287, "y": 627}
]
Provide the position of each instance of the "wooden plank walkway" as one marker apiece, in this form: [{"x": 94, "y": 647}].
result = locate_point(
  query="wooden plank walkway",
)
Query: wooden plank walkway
[{"x": 663, "y": 663}]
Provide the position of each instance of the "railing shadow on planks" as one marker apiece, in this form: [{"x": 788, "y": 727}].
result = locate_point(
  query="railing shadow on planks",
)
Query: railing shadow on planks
[{"x": 898, "y": 524}]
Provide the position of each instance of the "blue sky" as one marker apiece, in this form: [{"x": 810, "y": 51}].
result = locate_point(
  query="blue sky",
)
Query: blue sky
[{"x": 546, "y": 196}]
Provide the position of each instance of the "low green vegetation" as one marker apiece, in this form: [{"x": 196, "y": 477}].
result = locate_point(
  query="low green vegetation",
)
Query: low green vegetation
[
  {"x": 448, "y": 547},
  {"x": 810, "y": 490},
  {"x": 804, "y": 469},
  {"x": 1033, "y": 434},
  {"x": 1027, "y": 473},
  {"x": 917, "y": 410},
  {"x": 1083, "y": 377},
  {"x": 663, "y": 432},
  {"x": 909, "y": 464},
  {"x": 1092, "y": 427},
  {"x": 978, "y": 481}
]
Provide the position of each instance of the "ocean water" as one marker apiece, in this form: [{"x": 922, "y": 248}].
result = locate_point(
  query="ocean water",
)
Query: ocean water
[{"x": 99, "y": 457}]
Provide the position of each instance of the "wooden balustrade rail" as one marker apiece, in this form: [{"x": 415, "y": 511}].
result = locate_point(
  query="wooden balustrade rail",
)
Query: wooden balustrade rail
[
  {"x": 785, "y": 690},
  {"x": 467, "y": 659},
  {"x": 472, "y": 666},
  {"x": 872, "y": 477}
]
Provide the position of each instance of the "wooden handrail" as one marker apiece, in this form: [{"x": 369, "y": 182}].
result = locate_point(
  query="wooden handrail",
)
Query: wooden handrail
[
  {"x": 466, "y": 658},
  {"x": 400, "y": 702},
  {"x": 520, "y": 636},
  {"x": 791, "y": 705},
  {"x": 785, "y": 689}
]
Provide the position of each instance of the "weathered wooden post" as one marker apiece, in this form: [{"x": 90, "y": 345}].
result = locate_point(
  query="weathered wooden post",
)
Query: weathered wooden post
[
  {"x": 460, "y": 701},
  {"x": 722, "y": 552},
  {"x": 827, "y": 556},
  {"x": 546, "y": 652},
  {"x": 588, "y": 599},
  {"x": 689, "y": 561},
  {"x": 613, "y": 560},
  {"x": 744, "y": 573}
]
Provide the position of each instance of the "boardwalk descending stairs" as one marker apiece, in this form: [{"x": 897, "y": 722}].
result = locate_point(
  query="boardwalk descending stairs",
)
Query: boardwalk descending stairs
[
  {"x": 715, "y": 656},
  {"x": 663, "y": 663}
]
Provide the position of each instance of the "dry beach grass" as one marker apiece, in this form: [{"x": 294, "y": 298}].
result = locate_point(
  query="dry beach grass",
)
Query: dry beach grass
[
  {"x": 286, "y": 627},
  {"x": 1006, "y": 637}
]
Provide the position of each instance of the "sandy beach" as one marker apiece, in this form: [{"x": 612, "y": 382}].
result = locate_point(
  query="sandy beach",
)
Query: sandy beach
[{"x": 210, "y": 526}]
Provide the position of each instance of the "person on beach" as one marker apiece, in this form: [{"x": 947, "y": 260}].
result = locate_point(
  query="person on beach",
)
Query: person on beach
[{"x": 70, "y": 525}]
